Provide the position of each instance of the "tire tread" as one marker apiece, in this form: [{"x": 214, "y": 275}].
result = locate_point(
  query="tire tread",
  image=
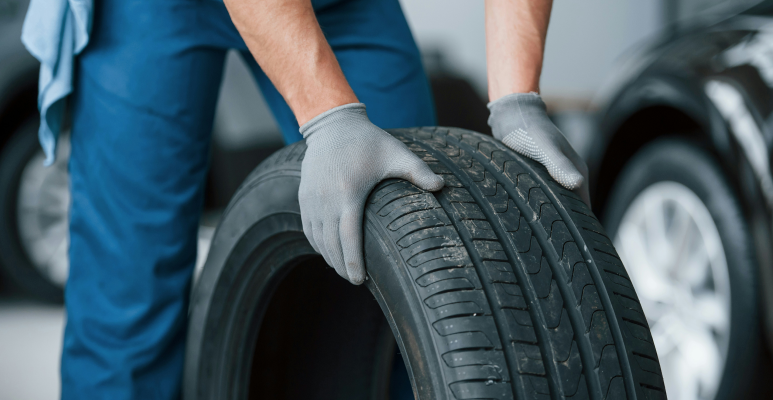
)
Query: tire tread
[{"x": 511, "y": 298}]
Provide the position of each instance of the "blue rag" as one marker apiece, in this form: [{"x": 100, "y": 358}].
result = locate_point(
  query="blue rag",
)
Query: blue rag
[{"x": 54, "y": 32}]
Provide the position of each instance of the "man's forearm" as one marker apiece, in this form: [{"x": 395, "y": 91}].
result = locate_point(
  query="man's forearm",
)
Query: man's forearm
[
  {"x": 515, "y": 42},
  {"x": 288, "y": 44}
]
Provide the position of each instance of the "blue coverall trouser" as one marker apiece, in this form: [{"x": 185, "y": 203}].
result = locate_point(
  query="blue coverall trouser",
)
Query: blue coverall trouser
[{"x": 143, "y": 107}]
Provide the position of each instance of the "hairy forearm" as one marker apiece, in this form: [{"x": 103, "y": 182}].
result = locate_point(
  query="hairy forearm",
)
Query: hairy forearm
[
  {"x": 288, "y": 44},
  {"x": 515, "y": 43}
]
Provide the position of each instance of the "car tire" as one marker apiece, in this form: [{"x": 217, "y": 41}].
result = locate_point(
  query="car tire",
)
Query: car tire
[
  {"x": 502, "y": 285},
  {"x": 17, "y": 266},
  {"x": 676, "y": 168}
]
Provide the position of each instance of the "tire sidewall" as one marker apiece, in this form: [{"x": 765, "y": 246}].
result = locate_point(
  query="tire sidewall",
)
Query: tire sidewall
[
  {"x": 246, "y": 225},
  {"x": 684, "y": 162},
  {"x": 393, "y": 288}
]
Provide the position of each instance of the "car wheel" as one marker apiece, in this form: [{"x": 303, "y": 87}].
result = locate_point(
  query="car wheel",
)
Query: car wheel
[
  {"x": 502, "y": 285},
  {"x": 34, "y": 204},
  {"x": 680, "y": 231}
]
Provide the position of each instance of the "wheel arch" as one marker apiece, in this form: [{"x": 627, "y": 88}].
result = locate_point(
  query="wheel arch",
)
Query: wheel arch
[
  {"x": 18, "y": 101},
  {"x": 640, "y": 128}
]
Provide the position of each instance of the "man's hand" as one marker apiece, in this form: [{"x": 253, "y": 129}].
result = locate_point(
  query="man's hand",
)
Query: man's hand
[
  {"x": 521, "y": 122},
  {"x": 347, "y": 156}
]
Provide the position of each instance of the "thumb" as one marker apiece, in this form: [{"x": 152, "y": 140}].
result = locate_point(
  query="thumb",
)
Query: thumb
[
  {"x": 559, "y": 166},
  {"x": 549, "y": 149},
  {"x": 564, "y": 172},
  {"x": 411, "y": 168}
]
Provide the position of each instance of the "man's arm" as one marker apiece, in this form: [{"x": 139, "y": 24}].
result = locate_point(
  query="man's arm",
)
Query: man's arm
[
  {"x": 346, "y": 155},
  {"x": 515, "y": 43},
  {"x": 288, "y": 44}
]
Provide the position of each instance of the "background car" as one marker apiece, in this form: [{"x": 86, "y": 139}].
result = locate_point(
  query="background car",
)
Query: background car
[{"x": 681, "y": 178}]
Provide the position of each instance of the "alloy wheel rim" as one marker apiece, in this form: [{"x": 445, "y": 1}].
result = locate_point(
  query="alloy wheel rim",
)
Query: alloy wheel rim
[
  {"x": 672, "y": 250},
  {"x": 42, "y": 207}
]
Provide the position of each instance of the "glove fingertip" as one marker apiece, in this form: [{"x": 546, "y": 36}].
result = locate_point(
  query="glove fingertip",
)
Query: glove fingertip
[
  {"x": 356, "y": 273},
  {"x": 342, "y": 273},
  {"x": 570, "y": 181},
  {"x": 431, "y": 182}
]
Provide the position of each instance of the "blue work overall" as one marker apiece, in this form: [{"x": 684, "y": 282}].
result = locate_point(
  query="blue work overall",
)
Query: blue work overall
[{"x": 142, "y": 111}]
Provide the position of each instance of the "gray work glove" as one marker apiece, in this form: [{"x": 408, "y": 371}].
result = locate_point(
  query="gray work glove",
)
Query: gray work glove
[
  {"x": 347, "y": 156},
  {"x": 521, "y": 122}
]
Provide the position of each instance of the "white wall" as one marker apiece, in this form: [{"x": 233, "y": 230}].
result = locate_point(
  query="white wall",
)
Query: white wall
[
  {"x": 586, "y": 37},
  {"x": 584, "y": 40},
  {"x": 455, "y": 27}
]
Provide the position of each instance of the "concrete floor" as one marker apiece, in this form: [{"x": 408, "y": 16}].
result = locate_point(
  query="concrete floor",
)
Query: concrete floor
[{"x": 30, "y": 343}]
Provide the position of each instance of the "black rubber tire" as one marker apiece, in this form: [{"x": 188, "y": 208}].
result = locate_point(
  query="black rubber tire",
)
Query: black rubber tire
[
  {"x": 503, "y": 285},
  {"x": 16, "y": 265},
  {"x": 678, "y": 160}
]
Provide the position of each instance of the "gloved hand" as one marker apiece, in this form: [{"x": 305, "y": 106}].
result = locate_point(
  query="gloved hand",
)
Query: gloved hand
[
  {"x": 521, "y": 122},
  {"x": 346, "y": 157}
]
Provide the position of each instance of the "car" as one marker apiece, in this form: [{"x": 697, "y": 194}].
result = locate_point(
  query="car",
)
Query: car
[{"x": 681, "y": 178}]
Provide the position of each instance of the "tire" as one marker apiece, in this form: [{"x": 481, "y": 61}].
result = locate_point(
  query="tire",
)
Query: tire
[
  {"x": 20, "y": 151},
  {"x": 502, "y": 285},
  {"x": 676, "y": 169}
]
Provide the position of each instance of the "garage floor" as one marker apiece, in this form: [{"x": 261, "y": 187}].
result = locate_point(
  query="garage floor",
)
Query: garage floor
[{"x": 30, "y": 342}]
